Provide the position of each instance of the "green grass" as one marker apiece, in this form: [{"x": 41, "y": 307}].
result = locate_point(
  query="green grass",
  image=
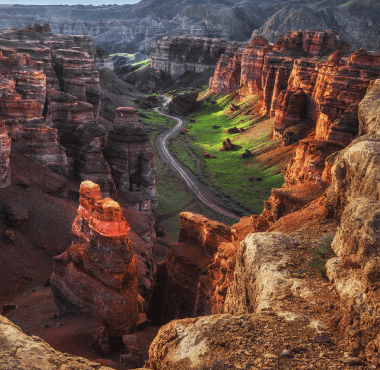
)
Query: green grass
[
  {"x": 137, "y": 66},
  {"x": 320, "y": 255},
  {"x": 228, "y": 171},
  {"x": 182, "y": 154},
  {"x": 345, "y": 4},
  {"x": 173, "y": 196}
]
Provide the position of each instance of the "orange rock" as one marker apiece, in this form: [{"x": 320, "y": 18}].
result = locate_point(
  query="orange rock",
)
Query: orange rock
[{"x": 98, "y": 271}]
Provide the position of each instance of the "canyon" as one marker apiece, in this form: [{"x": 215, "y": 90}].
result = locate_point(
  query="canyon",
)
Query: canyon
[
  {"x": 293, "y": 287},
  {"x": 138, "y": 27}
]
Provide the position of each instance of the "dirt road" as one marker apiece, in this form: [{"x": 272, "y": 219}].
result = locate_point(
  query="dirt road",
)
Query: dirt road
[{"x": 200, "y": 193}]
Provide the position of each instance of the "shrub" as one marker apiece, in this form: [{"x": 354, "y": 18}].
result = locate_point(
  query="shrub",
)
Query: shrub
[{"x": 320, "y": 253}]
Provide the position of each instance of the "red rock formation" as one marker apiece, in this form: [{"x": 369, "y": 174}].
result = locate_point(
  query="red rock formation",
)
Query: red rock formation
[
  {"x": 78, "y": 76},
  {"x": 252, "y": 64},
  {"x": 333, "y": 87},
  {"x": 97, "y": 274},
  {"x": 23, "y": 86},
  {"x": 226, "y": 79},
  {"x": 290, "y": 108},
  {"x": 179, "y": 289},
  {"x": 131, "y": 156},
  {"x": 5, "y": 151},
  {"x": 338, "y": 92}
]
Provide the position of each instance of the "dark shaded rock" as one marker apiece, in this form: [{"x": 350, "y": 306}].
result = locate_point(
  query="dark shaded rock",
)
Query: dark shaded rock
[{"x": 183, "y": 104}]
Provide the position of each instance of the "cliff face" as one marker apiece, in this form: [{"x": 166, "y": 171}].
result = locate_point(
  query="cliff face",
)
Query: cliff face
[
  {"x": 326, "y": 88},
  {"x": 98, "y": 271},
  {"x": 131, "y": 156},
  {"x": 178, "y": 55},
  {"x": 179, "y": 289},
  {"x": 50, "y": 106}
]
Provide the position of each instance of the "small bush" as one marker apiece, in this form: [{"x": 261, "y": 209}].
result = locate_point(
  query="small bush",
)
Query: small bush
[{"x": 320, "y": 253}]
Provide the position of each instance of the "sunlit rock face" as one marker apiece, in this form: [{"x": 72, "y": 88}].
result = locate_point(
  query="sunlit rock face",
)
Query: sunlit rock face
[
  {"x": 23, "y": 94},
  {"x": 30, "y": 352},
  {"x": 330, "y": 83},
  {"x": 97, "y": 273},
  {"x": 131, "y": 156},
  {"x": 180, "y": 289},
  {"x": 5, "y": 151}
]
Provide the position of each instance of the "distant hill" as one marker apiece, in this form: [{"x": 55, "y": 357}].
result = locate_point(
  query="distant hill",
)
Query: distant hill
[{"x": 137, "y": 27}]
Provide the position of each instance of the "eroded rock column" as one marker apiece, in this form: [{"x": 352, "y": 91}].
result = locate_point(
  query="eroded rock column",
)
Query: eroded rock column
[{"x": 97, "y": 273}]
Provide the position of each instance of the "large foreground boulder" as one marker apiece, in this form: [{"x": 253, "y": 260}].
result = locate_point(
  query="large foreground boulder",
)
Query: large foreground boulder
[{"x": 20, "y": 351}]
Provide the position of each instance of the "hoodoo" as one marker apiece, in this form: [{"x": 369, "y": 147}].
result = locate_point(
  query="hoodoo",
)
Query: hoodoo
[{"x": 97, "y": 273}]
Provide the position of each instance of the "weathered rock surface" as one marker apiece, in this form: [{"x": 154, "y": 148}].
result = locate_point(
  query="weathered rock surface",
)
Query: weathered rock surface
[
  {"x": 260, "y": 278},
  {"x": 18, "y": 350},
  {"x": 131, "y": 156},
  {"x": 97, "y": 274},
  {"x": 235, "y": 341},
  {"x": 179, "y": 287},
  {"x": 181, "y": 54},
  {"x": 369, "y": 120},
  {"x": 354, "y": 174},
  {"x": 183, "y": 103}
]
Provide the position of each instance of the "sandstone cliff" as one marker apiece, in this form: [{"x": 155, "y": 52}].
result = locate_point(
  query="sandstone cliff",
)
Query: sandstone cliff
[
  {"x": 50, "y": 106},
  {"x": 178, "y": 55},
  {"x": 178, "y": 291}
]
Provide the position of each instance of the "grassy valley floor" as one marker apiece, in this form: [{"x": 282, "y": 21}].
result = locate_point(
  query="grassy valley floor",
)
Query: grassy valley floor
[
  {"x": 173, "y": 195},
  {"x": 229, "y": 173}
]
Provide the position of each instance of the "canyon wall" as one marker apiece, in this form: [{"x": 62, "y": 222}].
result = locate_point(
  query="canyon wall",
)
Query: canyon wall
[
  {"x": 50, "y": 106},
  {"x": 178, "y": 55}
]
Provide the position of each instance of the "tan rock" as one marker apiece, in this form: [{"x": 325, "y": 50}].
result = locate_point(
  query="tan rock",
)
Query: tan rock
[
  {"x": 369, "y": 119},
  {"x": 261, "y": 280},
  {"x": 18, "y": 350}
]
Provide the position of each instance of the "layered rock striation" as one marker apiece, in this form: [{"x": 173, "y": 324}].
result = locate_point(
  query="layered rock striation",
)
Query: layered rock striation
[
  {"x": 50, "y": 101},
  {"x": 179, "y": 55},
  {"x": 97, "y": 273},
  {"x": 179, "y": 289},
  {"x": 131, "y": 156}
]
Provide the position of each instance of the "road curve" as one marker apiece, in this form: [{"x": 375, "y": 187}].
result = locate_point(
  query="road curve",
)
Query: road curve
[{"x": 187, "y": 177}]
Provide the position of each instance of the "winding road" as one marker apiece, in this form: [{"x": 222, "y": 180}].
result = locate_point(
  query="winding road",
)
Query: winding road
[{"x": 186, "y": 175}]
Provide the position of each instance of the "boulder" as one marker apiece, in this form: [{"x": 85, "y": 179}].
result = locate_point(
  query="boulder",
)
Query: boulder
[
  {"x": 183, "y": 103},
  {"x": 31, "y": 352},
  {"x": 227, "y": 145}
]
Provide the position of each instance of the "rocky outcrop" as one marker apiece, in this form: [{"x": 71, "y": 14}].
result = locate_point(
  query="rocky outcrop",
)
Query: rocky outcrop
[
  {"x": 23, "y": 87},
  {"x": 5, "y": 151},
  {"x": 97, "y": 273},
  {"x": 295, "y": 87},
  {"x": 31, "y": 352},
  {"x": 183, "y": 103},
  {"x": 78, "y": 76},
  {"x": 182, "y": 54},
  {"x": 179, "y": 289},
  {"x": 50, "y": 106},
  {"x": 131, "y": 156},
  {"x": 236, "y": 341}
]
